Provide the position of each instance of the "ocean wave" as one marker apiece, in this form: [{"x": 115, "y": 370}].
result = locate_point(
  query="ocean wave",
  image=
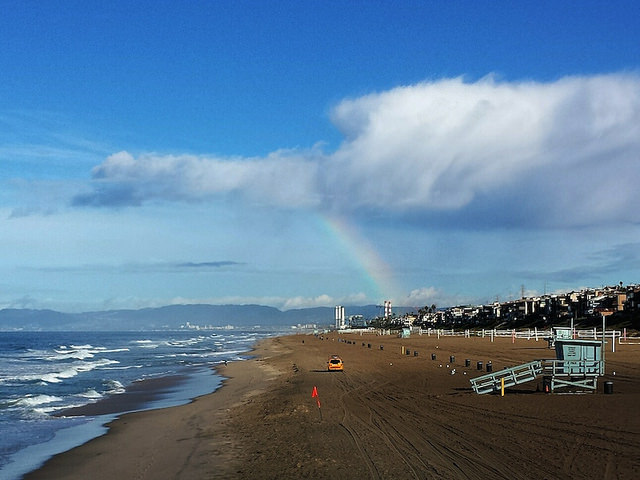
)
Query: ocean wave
[
  {"x": 81, "y": 352},
  {"x": 33, "y": 400},
  {"x": 114, "y": 387},
  {"x": 242, "y": 339},
  {"x": 97, "y": 364},
  {"x": 91, "y": 394},
  {"x": 73, "y": 370},
  {"x": 129, "y": 367},
  {"x": 57, "y": 377},
  {"x": 147, "y": 343},
  {"x": 71, "y": 354},
  {"x": 57, "y": 408},
  {"x": 47, "y": 404}
]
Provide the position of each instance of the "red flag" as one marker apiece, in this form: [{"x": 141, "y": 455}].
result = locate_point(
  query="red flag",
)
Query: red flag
[{"x": 314, "y": 394}]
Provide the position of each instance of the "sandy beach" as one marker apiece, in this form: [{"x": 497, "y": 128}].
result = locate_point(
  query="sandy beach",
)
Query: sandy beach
[{"x": 388, "y": 415}]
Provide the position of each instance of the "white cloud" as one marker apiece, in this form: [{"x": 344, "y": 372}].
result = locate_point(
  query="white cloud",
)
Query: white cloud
[
  {"x": 427, "y": 296},
  {"x": 305, "y": 302},
  {"x": 557, "y": 153},
  {"x": 440, "y": 145},
  {"x": 323, "y": 301},
  {"x": 421, "y": 296},
  {"x": 283, "y": 178}
]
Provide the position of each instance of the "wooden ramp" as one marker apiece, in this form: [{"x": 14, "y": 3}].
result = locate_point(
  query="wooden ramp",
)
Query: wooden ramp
[{"x": 492, "y": 382}]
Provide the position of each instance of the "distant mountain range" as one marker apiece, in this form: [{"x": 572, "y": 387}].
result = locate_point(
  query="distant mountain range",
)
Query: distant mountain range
[{"x": 178, "y": 316}]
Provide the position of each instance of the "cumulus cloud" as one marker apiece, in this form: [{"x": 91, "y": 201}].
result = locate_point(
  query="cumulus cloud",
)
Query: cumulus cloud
[
  {"x": 427, "y": 296},
  {"x": 517, "y": 153},
  {"x": 422, "y": 296},
  {"x": 285, "y": 179},
  {"x": 451, "y": 145},
  {"x": 322, "y": 301}
]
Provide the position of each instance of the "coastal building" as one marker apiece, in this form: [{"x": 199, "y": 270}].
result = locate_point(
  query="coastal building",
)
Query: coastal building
[
  {"x": 633, "y": 298},
  {"x": 548, "y": 308},
  {"x": 356, "y": 321},
  {"x": 387, "y": 308},
  {"x": 339, "y": 317}
]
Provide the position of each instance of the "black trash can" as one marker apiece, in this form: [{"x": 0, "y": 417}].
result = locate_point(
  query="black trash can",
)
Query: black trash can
[
  {"x": 433, "y": 356},
  {"x": 415, "y": 353},
  {"x": 452, "y": 359},
  {"x": 608, "y": 387},
  {"x": 467, "y": 363},
  {"x": 479, "y": 365},
  {"x": 489, "y": 367}
]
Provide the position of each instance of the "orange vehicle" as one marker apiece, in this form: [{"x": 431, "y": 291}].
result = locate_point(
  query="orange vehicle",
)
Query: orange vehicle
[{"x": 335, "y": 364}]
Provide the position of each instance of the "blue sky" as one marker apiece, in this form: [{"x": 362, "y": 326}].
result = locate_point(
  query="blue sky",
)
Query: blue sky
[{"x": 299, "y": 154}]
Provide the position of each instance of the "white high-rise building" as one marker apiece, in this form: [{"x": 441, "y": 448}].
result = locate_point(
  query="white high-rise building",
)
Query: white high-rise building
[{"x": 339, "y": 317}]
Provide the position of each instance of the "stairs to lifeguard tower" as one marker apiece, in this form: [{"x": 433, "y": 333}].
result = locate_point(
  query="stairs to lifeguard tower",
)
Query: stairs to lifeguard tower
[{"x": 492, "y": 382}]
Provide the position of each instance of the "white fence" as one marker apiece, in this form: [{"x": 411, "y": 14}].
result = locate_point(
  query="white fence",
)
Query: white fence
[
  {"x": 488, "y": 333},
  {"x": 617, "y": 336}
]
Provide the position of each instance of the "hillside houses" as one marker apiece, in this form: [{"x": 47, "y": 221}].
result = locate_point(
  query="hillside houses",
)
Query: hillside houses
[{"x": 543, "y": 309}]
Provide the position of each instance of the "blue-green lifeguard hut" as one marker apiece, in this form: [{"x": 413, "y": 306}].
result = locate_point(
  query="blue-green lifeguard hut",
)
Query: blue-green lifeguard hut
[{"x": 577, "y": 365}]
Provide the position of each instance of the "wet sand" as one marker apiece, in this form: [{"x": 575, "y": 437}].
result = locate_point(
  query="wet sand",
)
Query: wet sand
[{"x": 388, "y": 415}]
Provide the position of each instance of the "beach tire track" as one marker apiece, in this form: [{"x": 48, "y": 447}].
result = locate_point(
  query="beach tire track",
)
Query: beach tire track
[
  {"x": 414, "y": 449},
  {"x": 572, "y": 454},
  {"x": 476, "y": 452},
  {"x": 589, "y": 438},
  {"x": 376, "y": 426},
  {"x": 362, "y": 451},
  {"x": 375, "y": 407},
  {"x": 526, "y": 434},
  {"x": 347, "y": 388},
  {"x": 410, "y": 434},
  {"x": 395, "y": 440},
  {"x": 450, "y": 457}
]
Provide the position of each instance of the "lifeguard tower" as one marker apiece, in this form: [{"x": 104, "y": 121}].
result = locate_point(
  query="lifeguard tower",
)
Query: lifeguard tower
[{"x": 578, "y": 364}]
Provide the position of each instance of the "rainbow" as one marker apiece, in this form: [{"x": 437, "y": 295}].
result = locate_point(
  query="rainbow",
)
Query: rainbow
[{"x": 376, "y": 272}]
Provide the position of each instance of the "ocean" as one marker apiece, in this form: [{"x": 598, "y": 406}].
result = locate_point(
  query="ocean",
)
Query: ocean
[{"x": 43, "y": 374}]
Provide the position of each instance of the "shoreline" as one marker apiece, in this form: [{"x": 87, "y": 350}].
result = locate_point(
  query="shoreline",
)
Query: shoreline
[
  {"x": 118, "y": 416},
  {"x": 137, "y": 396},
  {"x": 390, "y": 414}
]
